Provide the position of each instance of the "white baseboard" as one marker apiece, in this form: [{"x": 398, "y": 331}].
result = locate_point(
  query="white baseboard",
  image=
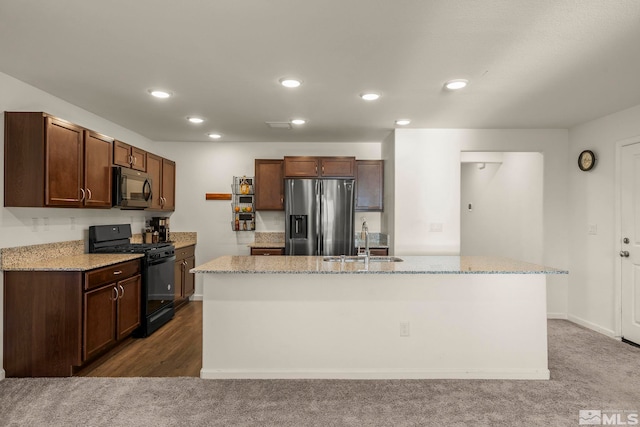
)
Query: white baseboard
[
  {"x": 562, "y": 316},
  {"x": 592, "y": 326},
  {"x": 2, "y": 374},
  {"x": 513, "y": 374},
  {"x": 196, "y": 297}
]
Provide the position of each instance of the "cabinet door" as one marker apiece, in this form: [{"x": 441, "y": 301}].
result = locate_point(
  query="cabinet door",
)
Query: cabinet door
[
  {"x": 301, "y": 167},
  {"x": 178, "y": 275},
  {"x": 189, "y": 278},
  {"x": 168, "y": 185},
  {"x": 99, "y": 320},
  {"x": 129, "y": 306},
  {"x": 338, "y": 167},
  {"x": 369, "y": 185},
  {"x": 121, "y": 154},
  {"x": 269, "y": 185},
  {"x": 154, "y": 169},
  {"x": 64, "y": 163},
  {"x": 139, "y": 158},
  {"x": 97, "y": 170}
]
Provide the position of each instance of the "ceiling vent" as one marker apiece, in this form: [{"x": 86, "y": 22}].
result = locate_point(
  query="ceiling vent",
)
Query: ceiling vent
[{"x": 279, "y": 125}]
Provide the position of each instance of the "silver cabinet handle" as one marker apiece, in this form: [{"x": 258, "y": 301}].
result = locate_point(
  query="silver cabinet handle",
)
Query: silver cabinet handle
[
  {"x": 624, "y": 254},
  {"x": 116, "y": 297},
  {"x": 122, "y": 290},
  {"x": 83, "y": 194},
  {"x": 130, "y": 159},
  {"x": 89, "y": 194},
  {"x": 115, "y": 273},
  {"x": 135, "y": 160}
]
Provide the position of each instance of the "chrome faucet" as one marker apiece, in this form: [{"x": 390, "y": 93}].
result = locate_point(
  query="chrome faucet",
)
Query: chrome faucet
[{"x": 365, "y": 233}]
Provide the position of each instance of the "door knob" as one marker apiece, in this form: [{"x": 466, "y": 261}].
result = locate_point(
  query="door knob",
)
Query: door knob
[
  {"x": 624, "y": 254},
  {"x": 625, "y": 240}
]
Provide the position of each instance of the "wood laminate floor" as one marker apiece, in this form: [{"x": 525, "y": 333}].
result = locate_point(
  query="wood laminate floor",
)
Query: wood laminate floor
[{"x": 174, "y": 350}]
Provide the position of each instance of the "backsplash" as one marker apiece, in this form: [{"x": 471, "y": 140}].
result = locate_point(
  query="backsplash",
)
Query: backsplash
[
  {"x": 269, "y": 237},
  {"x": 375, "y": 240}
]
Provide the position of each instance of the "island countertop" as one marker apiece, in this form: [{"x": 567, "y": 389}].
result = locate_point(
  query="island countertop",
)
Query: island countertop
[{"x": 409, "y": 265}]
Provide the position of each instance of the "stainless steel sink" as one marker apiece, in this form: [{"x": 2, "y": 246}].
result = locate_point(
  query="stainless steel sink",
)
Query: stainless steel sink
[
  {"x": 361, "y": 259},
  {"x": 385, "y": 259},
  {"x": 342, "y": 259}
]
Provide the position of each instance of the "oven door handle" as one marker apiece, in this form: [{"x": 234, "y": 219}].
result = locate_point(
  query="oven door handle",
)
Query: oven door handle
[{"x": 162, "y": 260}]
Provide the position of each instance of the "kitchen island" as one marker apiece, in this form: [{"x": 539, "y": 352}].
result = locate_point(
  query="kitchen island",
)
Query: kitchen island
[{"x": 424, "y": 317}]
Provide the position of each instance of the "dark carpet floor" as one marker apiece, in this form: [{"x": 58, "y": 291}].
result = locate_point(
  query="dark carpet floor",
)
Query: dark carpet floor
[{"x": 588, "y": 372}]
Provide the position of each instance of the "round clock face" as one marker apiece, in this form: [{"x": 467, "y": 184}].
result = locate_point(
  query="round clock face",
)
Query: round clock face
[{"x": 586, "y": 160}]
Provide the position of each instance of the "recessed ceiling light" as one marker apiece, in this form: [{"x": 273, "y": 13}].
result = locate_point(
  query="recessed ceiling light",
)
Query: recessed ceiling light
[
  {"x": 160, "y": 93},
  {"x": 290, "y": 82},
  {"x": 369, "y": 96},
  {"x": 195, "y": 120},
  {"x": 456, "y": 84},
  {"x": 298, "y": 121},
  {"x": 214, "y": 135},
  {"x": 403, "y": 122}
]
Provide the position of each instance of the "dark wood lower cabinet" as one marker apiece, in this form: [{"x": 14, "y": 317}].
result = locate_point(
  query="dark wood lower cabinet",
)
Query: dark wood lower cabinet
[
  {"x": 184, "y": 281},
  {"x": 111, "y": 313},
  {"x": 57, "y": 321}
]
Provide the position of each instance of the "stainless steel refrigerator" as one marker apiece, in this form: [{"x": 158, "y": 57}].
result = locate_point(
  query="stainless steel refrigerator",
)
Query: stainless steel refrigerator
[{"x": 319, "y": 216}]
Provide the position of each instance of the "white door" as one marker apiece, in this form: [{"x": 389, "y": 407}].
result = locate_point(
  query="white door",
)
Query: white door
[{"x": 630, "y": 241}]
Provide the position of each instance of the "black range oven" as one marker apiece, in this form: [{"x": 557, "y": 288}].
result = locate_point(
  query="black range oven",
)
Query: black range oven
[{"x": 157, "y": 272}]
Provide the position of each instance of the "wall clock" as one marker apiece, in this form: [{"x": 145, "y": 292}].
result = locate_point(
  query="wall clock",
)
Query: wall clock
[{"x": 586, "y": 160}]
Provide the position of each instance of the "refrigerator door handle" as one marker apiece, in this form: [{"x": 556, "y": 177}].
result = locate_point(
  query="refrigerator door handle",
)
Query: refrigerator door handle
[{"x": 318, "y": 216}]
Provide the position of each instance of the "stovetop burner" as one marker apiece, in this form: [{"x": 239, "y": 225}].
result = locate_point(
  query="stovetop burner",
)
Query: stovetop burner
[{"x": 116, "y": 239}]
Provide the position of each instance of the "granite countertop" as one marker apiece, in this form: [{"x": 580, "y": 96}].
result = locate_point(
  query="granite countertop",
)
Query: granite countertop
[
  {"x": 410, "y": 265},
  {"x": 83, "y": 262},
  {"x": 71, "y": 256}
]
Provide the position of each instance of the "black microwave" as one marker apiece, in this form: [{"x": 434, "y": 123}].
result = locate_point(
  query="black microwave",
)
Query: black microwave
[{"x": 131, "y": 189}]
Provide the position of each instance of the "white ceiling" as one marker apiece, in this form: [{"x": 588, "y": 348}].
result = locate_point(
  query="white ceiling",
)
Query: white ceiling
[{"x": 530, "y": 63}]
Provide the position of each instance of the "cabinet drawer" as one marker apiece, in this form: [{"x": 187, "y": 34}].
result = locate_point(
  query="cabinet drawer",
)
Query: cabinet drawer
[
  {"x": 379, "y": 251},
  {"x": 267, "y": 251},
  {"x": 112, "y": 273},
  {"x": 186, "y": 252}
]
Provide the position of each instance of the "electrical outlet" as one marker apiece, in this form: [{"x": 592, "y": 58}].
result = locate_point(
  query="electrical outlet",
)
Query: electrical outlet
[
  {"x": 72, "y": 223},
  {"x": 34, "y": 224},
  {"x": 593, "y": 229},
  {"x": 405, "y": 329},
  {"x": 435, "y": 227},
  {"x": 45, "y": 222}
]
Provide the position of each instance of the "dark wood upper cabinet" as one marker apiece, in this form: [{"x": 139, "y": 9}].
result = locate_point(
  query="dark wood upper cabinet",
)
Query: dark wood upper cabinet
[
  {"x": 50, "y": 162},
  {"x": 163, "y": 182},
  {"x": 129, "y": 156},
  {"x": 301, "y": 167},
  {"x": 369, "y": 185},
  {"x": 339, "y": 167},
  {"x": 269, "y": 184},
  {"x": 168, "y": 185},
  {"x": 64, "y": 164},
  {"x": 324, "y": 167},
  {"x": 97, "y": 170}
]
